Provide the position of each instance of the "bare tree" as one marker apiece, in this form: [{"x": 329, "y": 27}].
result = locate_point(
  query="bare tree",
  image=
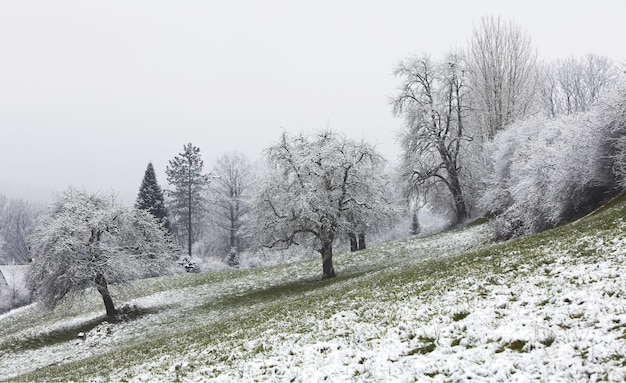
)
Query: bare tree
[
  {"x": 503, "y": 73},
  {"x": 317, "y": 188},
  {"x": 230, "y": 202},
  {"x": 16, "y": 222},
  {"x": 575, "y": 84},
  {"x": 433, "y": 101}
]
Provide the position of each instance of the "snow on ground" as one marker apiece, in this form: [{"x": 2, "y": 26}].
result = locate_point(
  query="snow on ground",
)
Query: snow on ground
[
  {"x": 566, "y": 323},
  {"x": 561, "y": 320}
]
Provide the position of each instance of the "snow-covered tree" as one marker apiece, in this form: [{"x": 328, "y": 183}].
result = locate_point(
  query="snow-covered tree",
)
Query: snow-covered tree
[
  {"x": 318, "y": 187},
  {"x": 188, "y": 199},
  {"x": 503, "y": 74},
  {"x": 150, "y": 197},
  {"x": 230, "y": 193},
  {"x": 433, "y": 101},
  {"x": 84, "y": 241}
]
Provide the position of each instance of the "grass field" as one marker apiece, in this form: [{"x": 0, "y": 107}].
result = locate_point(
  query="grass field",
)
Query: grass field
[{"x": 447, "y": 307}]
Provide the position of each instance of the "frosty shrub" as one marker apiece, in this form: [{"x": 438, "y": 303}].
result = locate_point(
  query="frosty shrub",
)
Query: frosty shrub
[
  {"x": 546, "y": 171},
  {"x": 84, "y": 241}
]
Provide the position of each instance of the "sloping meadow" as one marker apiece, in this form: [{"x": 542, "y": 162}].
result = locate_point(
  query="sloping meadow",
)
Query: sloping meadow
[{"x": 446, "y": 307}]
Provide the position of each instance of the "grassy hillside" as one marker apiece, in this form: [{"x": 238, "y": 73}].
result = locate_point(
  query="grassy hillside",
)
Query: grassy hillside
[{"x": 444, "y": 307}]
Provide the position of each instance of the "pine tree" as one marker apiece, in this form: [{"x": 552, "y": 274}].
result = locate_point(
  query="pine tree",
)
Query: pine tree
[
  {"x": 150, "y": 196},
  {"x": 415, "y": 224},
  {"x": 184, "y": 172}
]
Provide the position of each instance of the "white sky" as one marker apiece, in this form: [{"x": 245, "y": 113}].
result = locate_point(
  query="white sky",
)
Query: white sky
[{"x": 91, "y": 91}]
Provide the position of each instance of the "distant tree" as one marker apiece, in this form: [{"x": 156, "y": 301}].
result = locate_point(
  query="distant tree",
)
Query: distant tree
[
  {"x": 150, "y": 196},
  {"x": 415, "y": 224},
  {"x": 16, "y": 222},
  {"x": 318, "y": 187},
  {"x": 188, "y": 200},
  {"x": 503, "y": 73},
  {"x": 85, "y": 241},
  {"x": 230, "y": 203},
  {"x": 575, "y": 84},
  {"x": 434, "y": 103}
]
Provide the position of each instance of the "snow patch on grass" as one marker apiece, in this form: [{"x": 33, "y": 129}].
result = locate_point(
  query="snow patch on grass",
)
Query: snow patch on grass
[{"x": 445, "y": 307}]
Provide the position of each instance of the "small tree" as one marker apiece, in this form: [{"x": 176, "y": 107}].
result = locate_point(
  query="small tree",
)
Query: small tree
[
  {"x": 318, "y": 187},
  {"x": 85, "y": 242},
  {"x": 184, "y": 172},
  {"x": 415, "y": 224},
  {"x": 150, "y": 196}
]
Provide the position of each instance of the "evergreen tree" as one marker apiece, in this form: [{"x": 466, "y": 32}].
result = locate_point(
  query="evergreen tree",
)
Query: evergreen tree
[
  {"x": 415, "y": 224},
  {"x": 150, "y": 196},
  {"x": 184, "y": 172}
]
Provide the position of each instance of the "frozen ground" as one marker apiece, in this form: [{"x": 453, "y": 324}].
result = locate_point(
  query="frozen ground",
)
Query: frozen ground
[{"x": 442, "y": 308}]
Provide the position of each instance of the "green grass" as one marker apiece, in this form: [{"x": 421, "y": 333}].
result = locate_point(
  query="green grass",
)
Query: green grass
[{"x": 220, "y": 312}]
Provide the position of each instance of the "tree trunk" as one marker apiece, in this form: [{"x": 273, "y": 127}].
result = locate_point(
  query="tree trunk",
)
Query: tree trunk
[
  {"x": 354, "y": 246},
  {"x": 189, "y": 233},
  {"x": 328, "y": 270},
  {"x": 459, "y": 201},
  {"x": 103, "y": 289},
  {"x": 362, "y": 241}
]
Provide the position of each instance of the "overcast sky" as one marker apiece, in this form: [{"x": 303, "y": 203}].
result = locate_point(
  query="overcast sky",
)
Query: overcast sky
[{"x": 91, "y": 91}]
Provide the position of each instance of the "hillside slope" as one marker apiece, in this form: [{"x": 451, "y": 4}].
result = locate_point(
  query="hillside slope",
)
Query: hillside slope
[{"x": 446, "y": 307}]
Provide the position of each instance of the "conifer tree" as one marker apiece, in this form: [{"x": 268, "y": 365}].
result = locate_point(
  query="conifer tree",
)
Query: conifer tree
[
  {"x": 415, "y": 224},
  {"x": 150, "y": 196},
  {"x": 184, "y": 172}
]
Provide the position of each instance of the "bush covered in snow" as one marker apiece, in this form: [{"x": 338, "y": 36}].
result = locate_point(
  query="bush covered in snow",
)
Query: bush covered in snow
[{"x": 546, "y": 171}]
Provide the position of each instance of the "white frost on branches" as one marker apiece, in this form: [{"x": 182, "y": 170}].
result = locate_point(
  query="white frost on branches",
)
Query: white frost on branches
[
  {"x": 318, "y": 187},
  {"x": 84, "y": 241}
]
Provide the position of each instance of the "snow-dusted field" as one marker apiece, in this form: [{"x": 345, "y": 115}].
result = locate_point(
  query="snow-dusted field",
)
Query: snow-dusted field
[{"x": 445, "y": 308}]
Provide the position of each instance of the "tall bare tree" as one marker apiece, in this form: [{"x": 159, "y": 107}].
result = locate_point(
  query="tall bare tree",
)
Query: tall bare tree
[
  {"x": 434, "y": 103},
  {"x": 503, "y": 73},
  {"x": 230, "y": 193},
  {"x": 573, "y": 85}
]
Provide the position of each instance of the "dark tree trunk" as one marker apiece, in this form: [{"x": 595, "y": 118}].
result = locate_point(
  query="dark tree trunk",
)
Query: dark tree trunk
[
  {"x": 103, "y": 289},
  {"x": 328, "y": 271},
  {"x": 459, "y": 201},
  {"x": 362, "y": 241},
  {"x": 354, "y": 246},
  {"x": 454, "y": 185},
  {"x": 189, "y": 233}
]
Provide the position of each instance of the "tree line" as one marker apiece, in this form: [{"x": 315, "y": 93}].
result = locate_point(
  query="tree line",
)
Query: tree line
[
  {"x": 492, "y": 129},
  {"x": 488, "y": 130}
]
